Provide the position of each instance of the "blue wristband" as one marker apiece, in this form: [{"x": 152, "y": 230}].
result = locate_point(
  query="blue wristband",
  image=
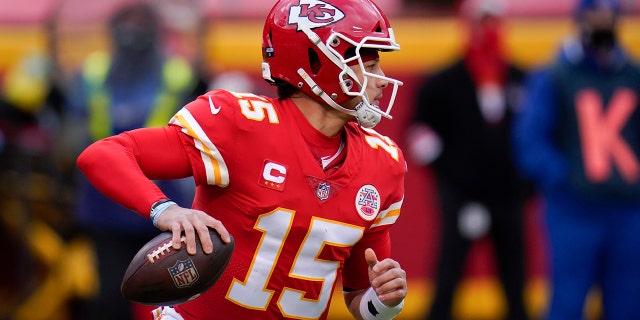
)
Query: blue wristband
[{"x": 158, "y": 209}]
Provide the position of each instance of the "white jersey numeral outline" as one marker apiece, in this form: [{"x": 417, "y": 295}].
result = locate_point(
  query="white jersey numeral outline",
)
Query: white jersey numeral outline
[{"x": 252, "y": 293}]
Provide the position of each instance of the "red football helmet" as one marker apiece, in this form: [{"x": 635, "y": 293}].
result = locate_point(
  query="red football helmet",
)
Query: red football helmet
[{"x": 310, "y": 44}]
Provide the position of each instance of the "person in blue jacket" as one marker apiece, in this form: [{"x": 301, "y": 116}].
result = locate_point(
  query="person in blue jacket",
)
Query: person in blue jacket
[
  {"x": 134, "y": 84},
  {"x": 578, "y": 137}
]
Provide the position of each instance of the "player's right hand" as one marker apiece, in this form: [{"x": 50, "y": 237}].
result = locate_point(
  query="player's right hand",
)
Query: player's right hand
[
  {"x": 178, "y": 220},
  {"x": 387, "y": 278}
]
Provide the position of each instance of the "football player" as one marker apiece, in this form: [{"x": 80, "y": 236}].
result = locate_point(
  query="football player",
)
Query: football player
[{"x": 306, "y": 187}]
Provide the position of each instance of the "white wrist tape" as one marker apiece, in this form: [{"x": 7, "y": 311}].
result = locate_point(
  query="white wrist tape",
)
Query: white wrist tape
[
  {"x": 166, "y": 313},
  {"x": 157, "y": 209},
  {"x": 371, "y": 308}
]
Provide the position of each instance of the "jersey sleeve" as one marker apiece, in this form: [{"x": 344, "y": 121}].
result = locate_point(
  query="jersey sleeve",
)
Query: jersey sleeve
[
  {"x": 208, "y": 125},
  {"x": 355, "y": 272}
]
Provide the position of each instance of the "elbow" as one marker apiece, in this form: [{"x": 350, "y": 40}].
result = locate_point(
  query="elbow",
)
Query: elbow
[
  {"x": 84, "y": 160},
  {"x": 98, "y": 153}
]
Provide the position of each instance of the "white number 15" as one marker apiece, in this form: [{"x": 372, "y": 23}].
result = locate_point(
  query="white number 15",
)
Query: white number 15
[{"x": 253, "y": 293}]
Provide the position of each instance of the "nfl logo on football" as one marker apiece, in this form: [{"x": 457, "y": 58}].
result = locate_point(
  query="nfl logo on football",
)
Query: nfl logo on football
[
  {"x": 323, "y": 191},
  {"x": 183, "y": 273}
]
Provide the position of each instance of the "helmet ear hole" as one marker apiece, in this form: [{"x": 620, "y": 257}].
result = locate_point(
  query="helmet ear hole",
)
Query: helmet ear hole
[
  {"x": 314, "y": 61},
  {"x": 348, "y": 83}
]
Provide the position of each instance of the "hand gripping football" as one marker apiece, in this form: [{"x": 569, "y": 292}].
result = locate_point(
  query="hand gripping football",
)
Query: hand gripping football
[{"x": 159, "y": 275}]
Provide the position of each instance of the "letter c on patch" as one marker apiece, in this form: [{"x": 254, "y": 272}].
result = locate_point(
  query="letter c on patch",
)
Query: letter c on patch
[{"x": 274, "y": 172}]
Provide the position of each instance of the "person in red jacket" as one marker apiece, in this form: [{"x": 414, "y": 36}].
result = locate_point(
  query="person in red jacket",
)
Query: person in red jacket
[{"x": 304, "y": 184}]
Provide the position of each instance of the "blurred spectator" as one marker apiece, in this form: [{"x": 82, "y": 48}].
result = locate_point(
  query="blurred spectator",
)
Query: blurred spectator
[
  {"x": 184, "y": 32},
  {"x": 234, "y": 80},
  {"x": 578, "y": 137},
  {"x": 49, "y": 268},
  {"x": 461, "y": 128},
  {"x": 132, "y": 86}
]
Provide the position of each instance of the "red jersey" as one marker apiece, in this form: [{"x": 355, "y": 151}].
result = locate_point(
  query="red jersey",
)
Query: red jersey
[{"x": 298, "y": 231}]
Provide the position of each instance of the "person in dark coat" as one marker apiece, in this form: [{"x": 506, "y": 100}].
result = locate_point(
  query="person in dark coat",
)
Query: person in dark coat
[{"x": 461, "y": 130}]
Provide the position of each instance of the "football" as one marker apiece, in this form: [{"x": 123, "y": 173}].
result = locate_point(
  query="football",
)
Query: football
[{"x": 159, "y": 275}]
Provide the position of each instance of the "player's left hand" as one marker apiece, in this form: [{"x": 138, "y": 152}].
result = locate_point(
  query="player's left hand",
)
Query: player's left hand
[
  {"x": 180, "y": 220},
  {"x": 387, "y": 278}
]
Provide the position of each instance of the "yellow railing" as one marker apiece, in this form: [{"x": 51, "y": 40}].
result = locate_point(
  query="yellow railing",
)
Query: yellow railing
[{"x": 235, "y": 44}]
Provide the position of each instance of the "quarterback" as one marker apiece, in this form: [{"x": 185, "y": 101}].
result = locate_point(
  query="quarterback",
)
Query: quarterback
[{"x": 304, "y": 184}]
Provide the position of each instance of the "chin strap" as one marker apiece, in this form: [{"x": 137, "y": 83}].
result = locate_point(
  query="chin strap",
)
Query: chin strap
[{"x": 367, "y": 115}]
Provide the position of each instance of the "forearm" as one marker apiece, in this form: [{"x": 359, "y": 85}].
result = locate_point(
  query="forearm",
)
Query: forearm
[
  {"x": 111, "y": 168},
  {"x": 121, "y": 167},
  {"x": 352, "y": 300}
]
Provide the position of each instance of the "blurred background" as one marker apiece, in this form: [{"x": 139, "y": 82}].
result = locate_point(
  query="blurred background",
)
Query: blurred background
[{"x": 49, "y": 264}]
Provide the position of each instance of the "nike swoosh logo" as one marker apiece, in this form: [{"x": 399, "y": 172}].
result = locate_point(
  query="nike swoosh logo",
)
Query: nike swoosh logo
[{"x": 213, "y": 108}]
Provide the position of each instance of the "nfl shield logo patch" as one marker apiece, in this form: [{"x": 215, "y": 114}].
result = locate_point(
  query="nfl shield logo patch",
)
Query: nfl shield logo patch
[
  {"x": 322, "y": 192},
  {"x": 183, "y": 273}
]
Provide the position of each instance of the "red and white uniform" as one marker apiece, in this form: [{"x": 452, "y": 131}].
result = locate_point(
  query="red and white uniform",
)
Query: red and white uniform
[{"x": 298, "y": 231}]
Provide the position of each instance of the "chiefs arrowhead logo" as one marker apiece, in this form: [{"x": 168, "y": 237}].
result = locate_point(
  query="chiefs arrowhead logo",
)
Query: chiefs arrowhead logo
[{"x": 314, "y": 14}]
